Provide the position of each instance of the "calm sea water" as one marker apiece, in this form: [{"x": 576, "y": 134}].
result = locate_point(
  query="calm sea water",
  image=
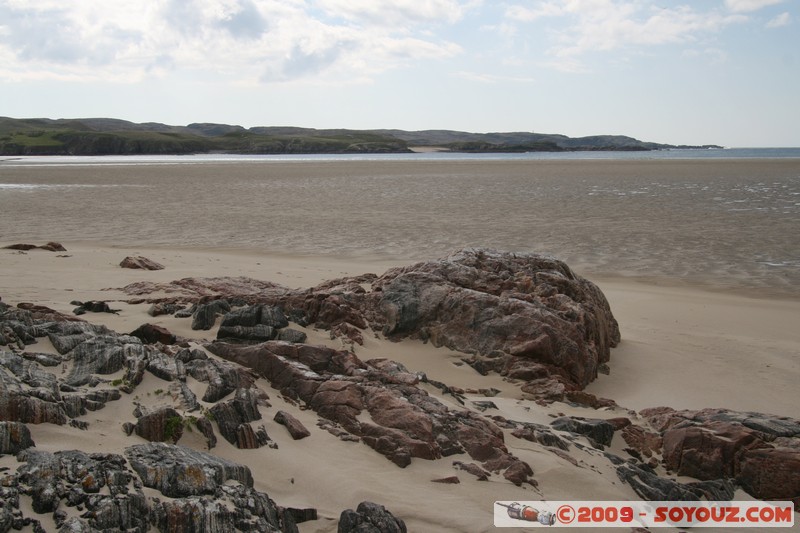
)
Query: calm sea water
[
  {"x": 722, "y": 218},
  {"x": 726, "y": 153}
]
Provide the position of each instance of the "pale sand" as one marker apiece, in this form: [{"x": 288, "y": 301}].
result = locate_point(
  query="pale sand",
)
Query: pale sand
[{"x": 682, "y": 347}]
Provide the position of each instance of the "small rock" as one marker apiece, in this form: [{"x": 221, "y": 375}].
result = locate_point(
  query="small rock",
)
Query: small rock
[
  {"x": 139, "y": 262},
  {"x": 151, "y": 334},
  {"x": 370, "y": 516},
  {"x": 296, "y": 428}
]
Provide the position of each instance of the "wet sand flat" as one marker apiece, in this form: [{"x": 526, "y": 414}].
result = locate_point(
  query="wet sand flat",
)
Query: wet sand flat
[{"x": 720, "y": 224}]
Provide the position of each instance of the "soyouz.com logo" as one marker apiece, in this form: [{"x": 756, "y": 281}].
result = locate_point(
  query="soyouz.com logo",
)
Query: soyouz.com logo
[{"x": 643, "y": 514}]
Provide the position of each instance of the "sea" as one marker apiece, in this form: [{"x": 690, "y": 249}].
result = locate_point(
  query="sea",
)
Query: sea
[{"x": 725, "y": 219}]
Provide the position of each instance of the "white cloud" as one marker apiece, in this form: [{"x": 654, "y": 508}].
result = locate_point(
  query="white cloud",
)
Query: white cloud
[
  {"x": 784, "y": 19},
  {"x": 529, "y": 14},
  {"x": 241, "y": 40},
  {"x": 580, "y": 27},
  {"x": 745, "y": 6},
  {"x": 393, "y": 12}
]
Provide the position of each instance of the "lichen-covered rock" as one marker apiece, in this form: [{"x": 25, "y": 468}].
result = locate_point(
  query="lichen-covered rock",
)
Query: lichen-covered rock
[
  {"x": 108, "y": 354},
  {"x": 257, "y": 333},
  {"x": 649, "y": 486},
  {"x": 178, "y": 472},
  {"x": 100, "y": 492}
]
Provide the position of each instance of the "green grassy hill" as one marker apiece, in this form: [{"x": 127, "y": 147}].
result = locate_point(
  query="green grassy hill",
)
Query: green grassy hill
[{"x": 108, "y": 136}]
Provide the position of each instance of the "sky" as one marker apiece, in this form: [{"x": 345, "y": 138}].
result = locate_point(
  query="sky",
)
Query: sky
[{"x": 721, "y": 72}]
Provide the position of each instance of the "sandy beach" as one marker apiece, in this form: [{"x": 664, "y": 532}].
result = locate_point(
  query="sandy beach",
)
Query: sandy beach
[
  {"x": 706, "y": 297},
  {"x": 682, "y": 347}
]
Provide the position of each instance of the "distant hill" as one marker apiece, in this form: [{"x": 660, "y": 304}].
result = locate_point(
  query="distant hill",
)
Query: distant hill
[{"x": 107, "y": 136}]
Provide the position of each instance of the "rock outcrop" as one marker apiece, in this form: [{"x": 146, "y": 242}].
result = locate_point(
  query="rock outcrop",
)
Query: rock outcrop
[
  {"x": 398, "y": 420},
  {"x": 104, "y": 492},
  {"x": 50, "y": 247},
  {"x": 525, "y": 316},
  {"x": 142, "y": 263},
  {"x": 761, "y": 452}
]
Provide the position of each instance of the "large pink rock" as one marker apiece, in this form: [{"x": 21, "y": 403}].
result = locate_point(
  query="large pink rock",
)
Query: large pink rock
[{"x": 530, "y": 313}]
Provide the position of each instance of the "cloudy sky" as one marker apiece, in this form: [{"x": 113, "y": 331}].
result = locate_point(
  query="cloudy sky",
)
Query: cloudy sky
[{"x": 707, "y": 71}]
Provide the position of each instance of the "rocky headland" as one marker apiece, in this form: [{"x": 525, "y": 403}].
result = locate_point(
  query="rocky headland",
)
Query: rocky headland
[{"x": 526, "y": 319}]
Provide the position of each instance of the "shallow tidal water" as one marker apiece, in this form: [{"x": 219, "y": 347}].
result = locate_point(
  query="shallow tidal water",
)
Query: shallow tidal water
[{"x": 730, "y": 224}]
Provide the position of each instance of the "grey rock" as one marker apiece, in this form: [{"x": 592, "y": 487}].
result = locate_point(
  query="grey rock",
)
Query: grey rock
[
  {"x": 273, "y": 317},
  {"x": 222, "y": 377},
  {"x": 291, "y": 335},
  {"x": 651, "y": 487},
  {"x": 599, "y": 431},
  {"x": 233, "y": 416},
  {"x": 205, "y": 314},
  {"x": 245, "y": 317},
  {"x": 14, "y": 437},
  {"x": 28, "y": 394},
  {"x": 178, "y": 472},
  {"x": 257, "y": 333},
  {"x": 370, "y": 518},
  {"x": 165, "y": 367}
]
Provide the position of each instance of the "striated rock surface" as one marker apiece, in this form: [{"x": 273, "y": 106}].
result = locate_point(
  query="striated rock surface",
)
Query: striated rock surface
[
  {"x": 176, "y": 471},
  {"x": 233, "y": 417},
  {"x": 14, "y": 437}
]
